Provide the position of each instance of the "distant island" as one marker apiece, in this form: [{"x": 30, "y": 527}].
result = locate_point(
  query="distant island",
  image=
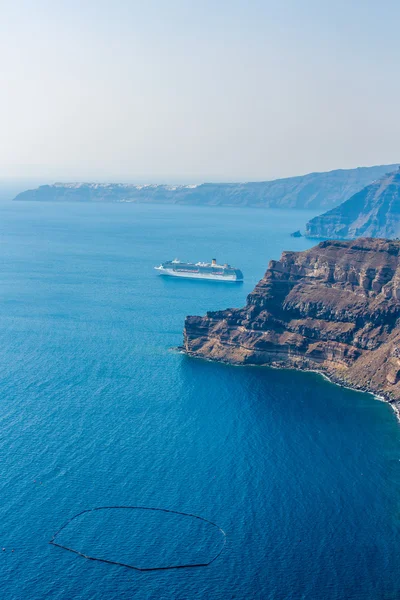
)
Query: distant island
[
  {"x": 374, "y": 211},
  {"x": 333, "y": 308},
  {"x": 313, "y": 191}
]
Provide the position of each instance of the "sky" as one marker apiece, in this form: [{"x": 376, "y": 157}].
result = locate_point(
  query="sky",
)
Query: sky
[{"x": 190, "y": 91}]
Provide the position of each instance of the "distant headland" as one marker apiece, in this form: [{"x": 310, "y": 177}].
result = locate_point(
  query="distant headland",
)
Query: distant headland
[
  {"x": 373, "y": 211},
  {"x": 315, "y": 191}
]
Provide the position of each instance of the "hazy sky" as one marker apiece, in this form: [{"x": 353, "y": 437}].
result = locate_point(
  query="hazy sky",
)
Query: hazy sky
[{"x": 203, "y": 90}]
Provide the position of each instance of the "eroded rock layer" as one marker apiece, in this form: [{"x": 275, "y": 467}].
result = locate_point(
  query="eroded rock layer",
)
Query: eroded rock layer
[{"x": 334, "y": 308}]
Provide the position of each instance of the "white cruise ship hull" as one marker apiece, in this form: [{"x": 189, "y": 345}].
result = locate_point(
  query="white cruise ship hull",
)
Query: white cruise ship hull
[{"x": 203, "y": 276}]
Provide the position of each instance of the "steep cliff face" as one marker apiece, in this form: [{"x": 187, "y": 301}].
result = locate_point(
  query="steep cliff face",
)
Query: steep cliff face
[
  {"x": 334, "y": 308},
  {"x": 374, "y": 211},
  {"x": 318, "y": 191}
]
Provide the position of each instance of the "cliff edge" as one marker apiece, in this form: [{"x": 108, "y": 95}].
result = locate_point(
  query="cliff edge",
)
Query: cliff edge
[
  {"x": 334, "y": 308},
  {"x": 374, "y": 211}
]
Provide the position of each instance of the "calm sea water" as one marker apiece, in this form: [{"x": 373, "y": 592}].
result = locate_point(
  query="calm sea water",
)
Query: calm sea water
[{"x": 96, "y": 410}]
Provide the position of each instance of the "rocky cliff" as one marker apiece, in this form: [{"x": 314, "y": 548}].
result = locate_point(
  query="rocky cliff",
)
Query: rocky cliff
[
  {"x": 313, "y": 191},
  {"x": 334, "y": 308},
  {"x": 374, "y": 211}
]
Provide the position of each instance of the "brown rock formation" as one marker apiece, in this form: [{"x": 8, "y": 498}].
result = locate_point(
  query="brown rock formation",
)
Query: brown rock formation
[{"x": 334, "y": 308}]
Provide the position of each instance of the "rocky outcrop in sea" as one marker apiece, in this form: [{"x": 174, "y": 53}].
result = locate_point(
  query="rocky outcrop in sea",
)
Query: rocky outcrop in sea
[{"x": 334, "y": 308}]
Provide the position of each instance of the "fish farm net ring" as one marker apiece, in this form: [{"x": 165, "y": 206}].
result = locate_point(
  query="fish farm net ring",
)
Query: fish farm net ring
[{"x": 142, "y": 538}]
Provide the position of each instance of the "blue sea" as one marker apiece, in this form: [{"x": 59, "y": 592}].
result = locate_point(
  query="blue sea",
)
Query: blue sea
[{"x": 97, "y": 409}]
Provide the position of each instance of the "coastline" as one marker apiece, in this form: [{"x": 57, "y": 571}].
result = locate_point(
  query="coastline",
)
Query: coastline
[{"x": 331, "y": 377}]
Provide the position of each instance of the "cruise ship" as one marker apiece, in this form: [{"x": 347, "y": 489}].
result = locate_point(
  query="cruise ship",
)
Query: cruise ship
[{"x": 201, "y": 270}]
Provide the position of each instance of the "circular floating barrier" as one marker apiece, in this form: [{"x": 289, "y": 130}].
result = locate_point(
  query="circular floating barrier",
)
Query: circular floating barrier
[{"x": 142, "y": 538}]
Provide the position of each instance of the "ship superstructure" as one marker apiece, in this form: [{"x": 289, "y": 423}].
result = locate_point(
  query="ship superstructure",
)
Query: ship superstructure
[{"x": 201, "y": 270}]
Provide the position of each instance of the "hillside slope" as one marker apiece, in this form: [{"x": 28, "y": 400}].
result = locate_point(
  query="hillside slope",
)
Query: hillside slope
[{"x": 372, "y": 212}]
